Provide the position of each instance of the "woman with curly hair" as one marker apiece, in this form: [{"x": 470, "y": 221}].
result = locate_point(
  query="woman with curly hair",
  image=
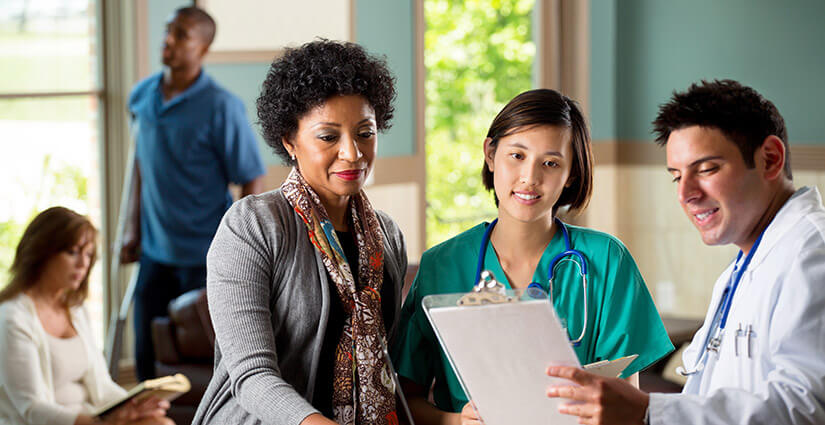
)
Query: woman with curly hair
[
  {"x": 304, "y": 282},
  {"x": 50, "y": 370}
]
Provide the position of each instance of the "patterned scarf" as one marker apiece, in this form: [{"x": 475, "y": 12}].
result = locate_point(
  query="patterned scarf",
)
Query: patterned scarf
[{"x": 363, "y": 391}]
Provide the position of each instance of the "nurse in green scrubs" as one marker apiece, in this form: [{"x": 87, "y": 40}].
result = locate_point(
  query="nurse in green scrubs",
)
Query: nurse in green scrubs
[{"x": 537, "y": 159}]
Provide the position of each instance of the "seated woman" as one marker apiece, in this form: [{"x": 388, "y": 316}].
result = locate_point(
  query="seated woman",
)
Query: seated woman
[
  {"x": 50, "y": 370},
  {"x": 304, "y": 282},
  {"x": 537, "y": 159}
]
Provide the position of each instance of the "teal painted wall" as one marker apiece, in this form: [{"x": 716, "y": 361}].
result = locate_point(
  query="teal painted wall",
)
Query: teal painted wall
[
  {"x": 387, "y": 28},
  {"x": 374, "y": 19},
  {"x": 157, "y": 12},
  {"x": 603, "y": 69},
  {"x": 661, "y": 46}
]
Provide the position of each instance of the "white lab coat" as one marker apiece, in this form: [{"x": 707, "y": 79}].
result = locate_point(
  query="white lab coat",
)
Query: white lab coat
[{"x": 782, "y": 296}]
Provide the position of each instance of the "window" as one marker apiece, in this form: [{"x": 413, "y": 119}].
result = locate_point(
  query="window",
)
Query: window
[
  {"x": 478, "y": 55},
  {"x": 50, "y": 98}
]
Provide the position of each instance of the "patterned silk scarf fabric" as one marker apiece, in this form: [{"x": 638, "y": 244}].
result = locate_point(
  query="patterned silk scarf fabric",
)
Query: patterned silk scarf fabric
[{"x": 363, "y": 391}]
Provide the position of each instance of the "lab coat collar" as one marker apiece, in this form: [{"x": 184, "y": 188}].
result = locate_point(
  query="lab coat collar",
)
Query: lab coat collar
[{"x": 802, "y": 202}]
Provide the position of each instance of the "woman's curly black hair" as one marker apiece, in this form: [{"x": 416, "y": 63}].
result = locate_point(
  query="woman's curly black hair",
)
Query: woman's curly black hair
[{"x": 307, "y": 76}]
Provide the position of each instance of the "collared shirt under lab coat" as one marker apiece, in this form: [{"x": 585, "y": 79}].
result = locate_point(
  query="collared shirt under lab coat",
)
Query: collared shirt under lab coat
[{"x": 782, "y": 296}]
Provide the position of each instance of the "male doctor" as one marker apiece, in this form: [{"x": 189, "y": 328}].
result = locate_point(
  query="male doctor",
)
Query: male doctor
[{"x": 759, "y": 358}]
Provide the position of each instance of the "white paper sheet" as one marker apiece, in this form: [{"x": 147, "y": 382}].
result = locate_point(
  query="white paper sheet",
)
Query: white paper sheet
[{"x": 501, "y": 352}]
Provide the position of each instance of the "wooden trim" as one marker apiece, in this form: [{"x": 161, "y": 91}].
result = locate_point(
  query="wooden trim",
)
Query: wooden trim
[
  {"x": 420, "y": 166},
  {"x": 605, "y": 153},
  {"x": 641, "y": 152},
  {"x": 118, "y": 36},
  {"x": 647, "y": 152},
  {"x": 398, "y": 169},
  {"x": 808, "y": 157},
  {"x": 548, "y": 44},
  {"x": 563, "y": 48},
  {"x": 242, "y": 56},
  {"x": 628, "y": 152},
  {"x": 105, "y": 15},
  {"x": 5, "y": 96},
  {"x": 574, "y": 18},
  {"x": 352, "y": 20},
  {"x": 142, "y": 39}
]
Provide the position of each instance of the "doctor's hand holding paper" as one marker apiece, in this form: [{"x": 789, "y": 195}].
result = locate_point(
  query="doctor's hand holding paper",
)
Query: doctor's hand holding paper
[
  {"x": 537, "y": 159},
  {"x": 758, "y": 358}
]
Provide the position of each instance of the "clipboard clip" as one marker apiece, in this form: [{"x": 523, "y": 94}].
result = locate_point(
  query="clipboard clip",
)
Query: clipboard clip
[{"x": 487, "y": 291}]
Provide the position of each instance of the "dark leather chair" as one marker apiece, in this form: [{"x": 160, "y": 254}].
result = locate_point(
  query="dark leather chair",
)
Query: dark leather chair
[
  {"x": 184, "y": 343},
  {"x": 412, "y": 269}
]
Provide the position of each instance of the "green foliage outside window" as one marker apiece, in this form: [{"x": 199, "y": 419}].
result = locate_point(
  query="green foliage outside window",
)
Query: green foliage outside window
[
  {"x": 478, "y": 55},
  {"x": 59, "y": 185},
  {"x": 49, "y": 143}
]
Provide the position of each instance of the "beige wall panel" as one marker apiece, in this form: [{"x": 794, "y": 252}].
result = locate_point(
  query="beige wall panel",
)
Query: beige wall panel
[
  {"x": 401, "y": 202},
  {"x": 248, "y": 25},
  {"x": 648, "y": 196},
  {"x": 810, "y": 178},
  {"x": 601, "y": 213},
  {"x": 680, "y": 270}
]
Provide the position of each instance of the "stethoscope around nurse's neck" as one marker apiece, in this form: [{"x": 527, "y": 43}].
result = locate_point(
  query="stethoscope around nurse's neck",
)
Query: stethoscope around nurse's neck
[{"x": 568, "y": 252}]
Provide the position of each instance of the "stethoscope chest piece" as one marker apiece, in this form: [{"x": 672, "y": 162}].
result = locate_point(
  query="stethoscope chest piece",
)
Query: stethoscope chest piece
[{"x": 484, "y": 279}]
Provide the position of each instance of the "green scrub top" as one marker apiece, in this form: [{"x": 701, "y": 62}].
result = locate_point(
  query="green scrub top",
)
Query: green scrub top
[{"x": 622, "y": 319}]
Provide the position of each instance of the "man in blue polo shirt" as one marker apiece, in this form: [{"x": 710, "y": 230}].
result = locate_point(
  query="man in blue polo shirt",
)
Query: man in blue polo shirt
[{"x": 193, "y": 140}]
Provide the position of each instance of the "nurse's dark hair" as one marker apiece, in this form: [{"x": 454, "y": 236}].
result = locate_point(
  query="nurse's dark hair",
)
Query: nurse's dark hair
[
  {"x": 50, "y": 232},
  {"x": 548, "y": 107},
  {"x": 306, "y": 76},
  {"x": 738, "y": 111}
]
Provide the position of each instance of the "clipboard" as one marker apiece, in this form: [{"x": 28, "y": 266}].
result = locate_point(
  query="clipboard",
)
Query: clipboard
[
  {"x": 500, "y": 343},
  {"x": 610, "y": 368}
]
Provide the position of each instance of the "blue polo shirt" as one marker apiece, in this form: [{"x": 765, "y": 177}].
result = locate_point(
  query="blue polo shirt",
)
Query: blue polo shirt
[{"x": 189, "y": 149}]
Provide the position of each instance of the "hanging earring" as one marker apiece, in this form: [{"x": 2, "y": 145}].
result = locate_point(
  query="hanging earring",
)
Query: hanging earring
[{"x": 292, "y": 156}]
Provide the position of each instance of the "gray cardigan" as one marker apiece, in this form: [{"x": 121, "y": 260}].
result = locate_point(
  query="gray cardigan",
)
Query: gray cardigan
[{"x": 269, "y": 300}]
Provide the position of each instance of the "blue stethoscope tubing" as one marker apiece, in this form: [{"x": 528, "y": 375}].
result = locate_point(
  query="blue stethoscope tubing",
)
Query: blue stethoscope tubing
[
  {"x": 724, "y": 306},
  {"x": 568, "y": 251}
]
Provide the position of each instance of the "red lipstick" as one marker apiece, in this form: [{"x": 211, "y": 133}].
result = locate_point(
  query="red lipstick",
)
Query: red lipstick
[{"x": 349, "y": 175}]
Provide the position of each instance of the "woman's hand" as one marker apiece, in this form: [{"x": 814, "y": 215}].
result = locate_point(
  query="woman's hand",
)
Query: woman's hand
[
  {"x": 134, "y": 410},
  {"x": 150, "y": 411},
  {"x": 152, "y": 406},
  {"x": 468, "y": 415}
]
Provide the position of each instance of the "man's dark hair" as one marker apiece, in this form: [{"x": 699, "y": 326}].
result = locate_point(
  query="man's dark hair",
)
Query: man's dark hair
[
  {"x": 206, "y": 24},
  {"x": 548, "y": 107},
  {"x": 738, "y": 111},
  {"x": 305, "y": 77}
]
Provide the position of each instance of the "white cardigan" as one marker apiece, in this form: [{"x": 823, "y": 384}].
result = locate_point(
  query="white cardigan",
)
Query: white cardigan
[{"x": 26, "y": 386}]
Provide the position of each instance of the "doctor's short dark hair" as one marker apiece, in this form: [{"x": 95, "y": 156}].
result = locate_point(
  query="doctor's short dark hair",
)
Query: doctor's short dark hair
[
  {"x": 305, "y": 77},
  {"x": 548, "y": 107},
  {"x": 743, "y": 115}
]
